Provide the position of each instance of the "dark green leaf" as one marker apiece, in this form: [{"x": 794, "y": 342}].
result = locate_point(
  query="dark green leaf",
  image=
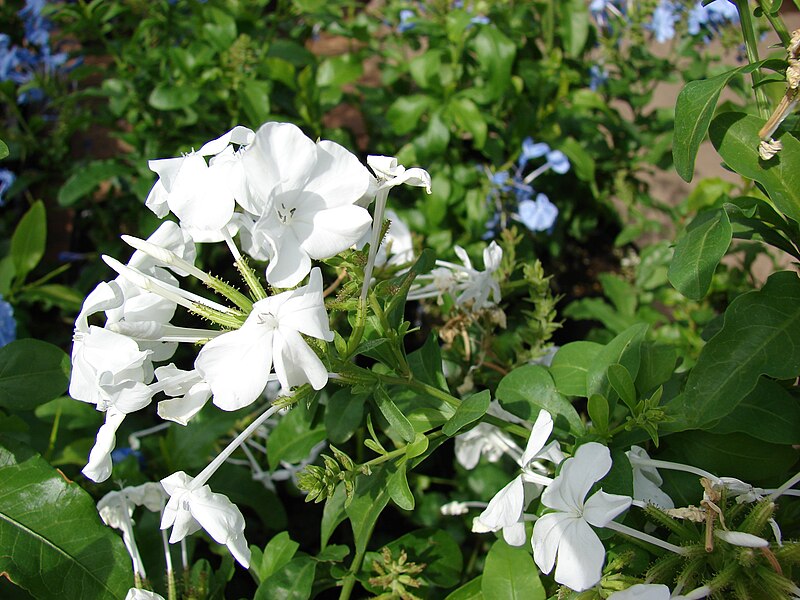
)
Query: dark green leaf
[
  {"x": 426, "y": 363},
  {"x": 32, "y": 372},
  {"x": 277, "y": 553},
  {"x": 657, "y": 364},
  {"x": 398, "y": 488},
  {"x": 3, "y": 149},
  {"x": 292, "y": 582},
  {"x": 622, "y": 382},
  {"x": 735, "y": 136},
  {"x": 397, "y": 420},
  {"x": 699, "y": 251},
  {"x": 28, "y": 240},
  {"x": 469, "y": 411},
  {"x": 469, "y": 118},
  {"x": 87, "y": 178},
  {"x": 769, "y": 413},
  {"x": 405, "y": 113},
  {"x": 693, "y": 111},
  {"x": 530, "y": 388},
  {"x": 437, "y": 550},
  {"x": 469, "y": 591},
  {"x": 495, "y": 54},
  {"x": 574, "y": 26},
  {"x": 760, "y": 336},
  {"x": 370, "y": 498},
  {"x": 509, "y": 574},
  {"x": 293, "y": 437},
  {"x": 254, "y": 99},
  {"x": 343, "y": 415},
  {"x": 54, "y": 544},
  {"x": 623, "y": 349},
  {"x": 597, "y": 407},
  {"x": 333, "y": 514}
]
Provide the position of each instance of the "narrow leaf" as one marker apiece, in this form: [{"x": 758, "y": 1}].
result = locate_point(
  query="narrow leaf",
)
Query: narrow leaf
[
  {"x": 469, "y": 411},
  {"x": 28, "y": 240},
  {"x": 622, "y": 382},
  {"x": 397, "y": 420}
]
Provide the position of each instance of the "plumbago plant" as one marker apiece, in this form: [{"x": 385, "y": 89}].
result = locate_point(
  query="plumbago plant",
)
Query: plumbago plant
[{"x": 600, "y": 469}]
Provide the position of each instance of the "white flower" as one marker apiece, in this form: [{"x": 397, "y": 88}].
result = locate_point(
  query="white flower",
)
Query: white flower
[
  {"x": 739, "y": 538},
  {"x": 191, "y": 508},
  {"x": 646, "y": 481},
  {"x": 98, "y": 467},
  {"x": 566, "y": 533},
  {"x": 237, "y": 364},
  {"x": 200, "y": 194},
  {"x": 390, "y": 174},
  {"x": 306, "y": 194},
  {"x": 506, "y": 508},
  {"x": 139, "y": 594},
  {"x": 652, "y": 591},
  {"x": 189, "y": 392},
  {"x": 487, "y": 440}
]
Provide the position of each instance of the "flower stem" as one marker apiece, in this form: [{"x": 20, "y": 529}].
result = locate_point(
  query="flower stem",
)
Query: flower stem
[
  {"x": 785, "y": 487},
  {"x": 639, "y": 535},
  {"x": 751, "y": 46}
]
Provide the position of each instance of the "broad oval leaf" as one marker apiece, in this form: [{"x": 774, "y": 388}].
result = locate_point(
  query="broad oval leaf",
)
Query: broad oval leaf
[
  {"x": 759, "y": 337},
  {"x": 293, "y": 581},
  {"x": 735, "y": 136},
  {"x": 32, "y": 372},
  {"x": 699, "y": 251},
  {"x": 54, "y": 544},
  {"x": 530, "y": 388},
  {"x": 693, "y": 111},
  {"x": 570, "y": 366},
  {"x": 510, "y": 574},
  {"x": 172, "y": 97}
]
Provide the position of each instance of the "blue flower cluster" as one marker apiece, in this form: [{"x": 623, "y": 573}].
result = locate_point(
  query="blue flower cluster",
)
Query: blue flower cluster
[
  {"x": 531, "y": 208},
  {"x": 7, "y": 179},
  {"x": 20, "y": 64},
  {"x": 8, "y": 326},
  {"x": 707, "y": 19}
]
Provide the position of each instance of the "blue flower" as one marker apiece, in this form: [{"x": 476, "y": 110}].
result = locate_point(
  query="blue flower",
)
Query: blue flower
[
  {"x": 597, "y": 77},
  {"x": 539, "y": 214},
  {"x": 406, "y": 20},
  {"x": 500, "y": 179},
  {"x": 663, "y": 21},
  {"x": 8, "y": 326},
  {"x": 558, "y": 161},
  {"x": 7, "y": 179},
  {"x": 532, "y": 150},
  {"x": 712, "y": 17},
  {"x": 37, "y": 28},
  {"x": 480, "y": 20}
]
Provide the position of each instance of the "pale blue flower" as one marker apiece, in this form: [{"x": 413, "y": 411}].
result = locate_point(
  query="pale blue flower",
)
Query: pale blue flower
[
  {"x": 597, "y": 77},
  {"x": 8, "y": 326},
  {"x": 480, "y": 20},
  {"x": 532, "y": 150},
  {"x": 712, "y": 17},
  {"x": 407, "y": 17},
  {"x": 558, "y": 161},
  {"x": 7, "y": 179},
  {"x": 539, "y": 214},
  {"x": 663, "y": 21}
]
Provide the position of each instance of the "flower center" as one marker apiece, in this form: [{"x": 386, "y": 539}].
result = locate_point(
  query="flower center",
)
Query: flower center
[
  {"x": 285, "y": 213},
  {"x": 268, "y": 320}
]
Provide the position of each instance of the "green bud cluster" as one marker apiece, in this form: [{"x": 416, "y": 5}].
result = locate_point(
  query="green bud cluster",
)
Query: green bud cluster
[{"x": 320, "y": 482}]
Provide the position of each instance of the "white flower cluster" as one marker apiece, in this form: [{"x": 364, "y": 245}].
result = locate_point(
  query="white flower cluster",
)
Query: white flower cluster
[
  {"x": 563, "y": 536},
  {"x": 289, "y": 200}
]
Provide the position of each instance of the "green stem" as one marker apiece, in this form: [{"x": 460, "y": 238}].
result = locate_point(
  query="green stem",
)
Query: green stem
[
  {"x": 350, "y": 579},
  {"x": 399, "y": 452},
  {"x": 51, "y": 444},
  {"x": 777, "y": 23},
  {"x": 358, "y": 330},
  {"x": 751, "y": 45}
]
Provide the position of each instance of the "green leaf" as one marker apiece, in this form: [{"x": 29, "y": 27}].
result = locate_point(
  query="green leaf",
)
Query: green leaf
[
  {"x": 760, "y": 336},
  {"x": 292, "y": 582},
  {"x": 343, "y": 415},
  {"x": 437, "y": 550},
  {"x": 735, "y": 136},
  {"x": 398, "y": 488},
  {"x": 418, "y": 446},
  {"x": 84, "y": 180},
  {"x": 623, "y": 349},
  {"x": 54, "y": 294},
  {"x": 395, "y": 309},
  {"x": 469, "y": 411},
  {"x": 495, "y": 54},
  {"x": 622, "y": 382},
  {"x": 509, "y": 574},
  {"x": 656, "y": 367},
  {"x": 397, "y": 420},
  {"x": 332, "y": 515},
  {"x": 370, "y": 498},
  {"x": 733, "y": 455},
  {"x": 173, "y": 97},
  {"x": 769, "y": 413},
  {"x": 32, "y": 372},
  {"x": 54, "y": 544},
  {"x": 574, "y": 26},
  {"x": 404, "y": 114},
  {"x": 293, "y": 438},
  {"x": 28, "y": 240},
  {"x": 254, "y": 99},
  {"x": 530, "y": 388},
  {"x": 435, "y": 138},
  {"x": 597, "y": 407},
  {"x": 3, "y": 149},
  {"x": 469, "y": 591},
  {"x": 468, "y": 117},
  {"x": 693, "y": 111},
  {"x": 582, "y": 161},
  {"x": 698, "y": 253},
  {"x": 277, "y": 553},
  {"x": 426, "y": 363},
  {"x": 571, "y": 365}
]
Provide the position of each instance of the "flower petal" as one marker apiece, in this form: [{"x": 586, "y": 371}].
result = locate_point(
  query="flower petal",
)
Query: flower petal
[
  {"x": 602, "y": 508},
  {"x": 579, "y": 473},
  {"x": 505, "y": 508},
  {"x": 296, "y": 363},
  {"x": 547, "y": 533},
  {"x": 538, "y": 438},
  {"x": 99, "y": 466},
  {"x": 336, "y": 229},
  {"x": 581, "y": 555},
  {"x": 236, "y": 365}
]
